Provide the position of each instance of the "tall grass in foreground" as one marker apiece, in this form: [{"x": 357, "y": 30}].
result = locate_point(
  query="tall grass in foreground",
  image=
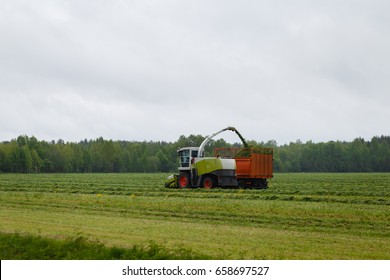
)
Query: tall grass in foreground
[{"x": 14, "y": 246}]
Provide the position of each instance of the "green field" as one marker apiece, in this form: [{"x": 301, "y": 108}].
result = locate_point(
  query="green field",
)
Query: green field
[{"x": 300, "y": 216}]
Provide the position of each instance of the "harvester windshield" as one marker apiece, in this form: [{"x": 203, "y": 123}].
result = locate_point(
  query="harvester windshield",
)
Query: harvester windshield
[{"x": 185, "y": 155}]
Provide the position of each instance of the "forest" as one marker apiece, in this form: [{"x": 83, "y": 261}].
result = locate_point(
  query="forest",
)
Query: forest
[{"x": 29, "y": 155}]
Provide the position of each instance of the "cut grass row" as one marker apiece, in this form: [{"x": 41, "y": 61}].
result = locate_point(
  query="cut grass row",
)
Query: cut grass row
[
  {"x": 370, "y": 220},
  {"x": 349, "y": 188}
]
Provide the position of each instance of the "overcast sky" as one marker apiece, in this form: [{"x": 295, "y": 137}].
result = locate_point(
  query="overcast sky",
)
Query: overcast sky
[{"x": 155, "y": 70}]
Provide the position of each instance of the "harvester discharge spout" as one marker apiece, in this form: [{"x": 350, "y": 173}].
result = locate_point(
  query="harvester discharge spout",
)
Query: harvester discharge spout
[{"x": 208, "y": 138}]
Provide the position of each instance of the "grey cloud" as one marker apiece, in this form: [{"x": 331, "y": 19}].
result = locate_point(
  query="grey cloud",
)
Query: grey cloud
[{"x": 154, "y": 70}]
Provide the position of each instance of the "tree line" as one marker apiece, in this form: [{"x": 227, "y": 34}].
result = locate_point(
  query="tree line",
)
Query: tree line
[
  {"x": 30, "y": 155},
  {"x": 356, "y": 156}
]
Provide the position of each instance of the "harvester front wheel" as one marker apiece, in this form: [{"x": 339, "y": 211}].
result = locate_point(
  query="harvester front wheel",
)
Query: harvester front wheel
[
  {"x": 183, "y": 180},
  {"x": 208, "y": 182}
]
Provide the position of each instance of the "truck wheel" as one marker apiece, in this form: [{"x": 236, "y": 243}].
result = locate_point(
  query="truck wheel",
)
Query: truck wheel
[
  {"x": 242, "y": 184},
  {"x": 183, "y": 180},
  {"x": 262, "y": 184},
  {"x": 208, "y": 183}
]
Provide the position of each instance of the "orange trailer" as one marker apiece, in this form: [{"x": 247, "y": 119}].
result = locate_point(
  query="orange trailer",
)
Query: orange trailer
[{"x": 253, "y": 165}]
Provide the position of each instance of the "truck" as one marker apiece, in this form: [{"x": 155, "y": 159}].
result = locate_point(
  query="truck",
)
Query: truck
[{"x": 246, "y": 167}]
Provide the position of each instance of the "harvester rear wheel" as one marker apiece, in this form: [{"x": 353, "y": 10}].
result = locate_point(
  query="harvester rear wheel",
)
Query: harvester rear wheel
[
  {"x": 183, "y": 180},
  {"x": 208, "y": 182}
]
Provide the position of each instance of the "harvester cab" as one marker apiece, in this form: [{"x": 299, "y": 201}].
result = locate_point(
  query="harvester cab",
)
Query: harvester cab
[{"x": 186, "y": 155}]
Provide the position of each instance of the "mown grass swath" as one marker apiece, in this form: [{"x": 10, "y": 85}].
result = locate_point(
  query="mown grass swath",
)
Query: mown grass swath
[{"x": 301, "y": 216}]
